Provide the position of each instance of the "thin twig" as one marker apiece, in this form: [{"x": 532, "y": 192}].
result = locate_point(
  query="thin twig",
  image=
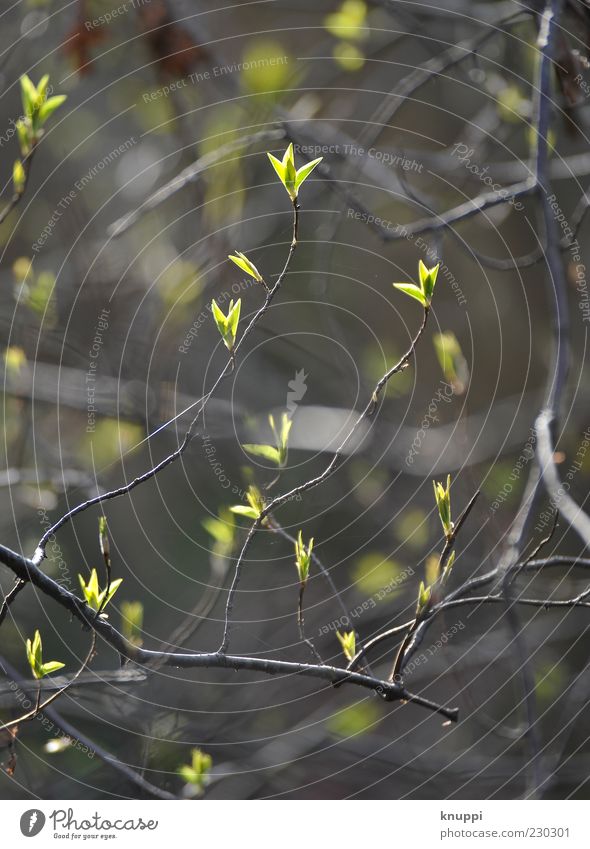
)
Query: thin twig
[
  {"x": 39, "y": 706},
  {"x": 26, "y": 569},
  {"x": 17, "y": 196},
  {"x": 8, "y": 599},
  {"x": 202, "y": 404},
  {"x": 412, "y": 639},
  {"x": 74, "y": 734},
  {"x": 304, "y": 487}
]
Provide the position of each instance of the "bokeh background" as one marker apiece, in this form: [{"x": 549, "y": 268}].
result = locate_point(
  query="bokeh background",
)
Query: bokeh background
[{"x": 107, "y": 270}]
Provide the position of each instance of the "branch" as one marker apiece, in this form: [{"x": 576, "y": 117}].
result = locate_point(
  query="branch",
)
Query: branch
[
  {"x": 171, "y": 458},
  {"x": 27, "y": 570},
  {"x": 8, "y": 599},
  {"x": 190, "y": 175},
  {"x": 72, "y": 732},
  {"x": 281, "y": 499}
]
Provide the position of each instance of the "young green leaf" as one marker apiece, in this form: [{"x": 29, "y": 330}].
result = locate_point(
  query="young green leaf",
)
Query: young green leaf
[
  {"x": 91, "y": 589},
  {"x": 278, "y": 166},
  {"x": 424, "y": 292},
  {"x": 35, "y": 658},
  {"x": 227, "y": 324},
  {"x": 219, "y": 316},
  {"x": 24, "y": 139},
  {"x": 290, "y": 171},
  {"x": 47, "y": 108},
  {"x": 303, "y": 557},
  {"x": 255, "y": 504},
  {"x": 442, "y": 497},
  {"x": 245, "y": 511},
  {"x": 290, "y": 177},
  {"x": 51, "y": 666},
  {"x": 42, "y": 87},
  {"x": 34, "y": 653},
  {"x": 37, "y": 109},
  {"x": 267, "y": 452},
  {"x": 112, "y": 590},
  {"x": 413, "y": 291},
  {"x": 428, "y": 279},
  {"x": 242, "y": 261},
  {"x": 304, "y": 172},
  {"x": 424, "y": 595},
  {"x": 422, "y": 272},
  {"x": 28, "y": 95},
  {"x": 233, "y": 318},
  {"x": 449, "y": 565},
  {"x": 197, "y": 774},
  {"x": 348, "y": 643},
  {"x": 281, "y": 435},
  {"x": 275, "y": 454},
  {"x": 94, "y": 596}
]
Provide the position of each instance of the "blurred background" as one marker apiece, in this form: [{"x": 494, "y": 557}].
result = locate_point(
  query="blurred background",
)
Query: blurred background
[{"x": 152, "y": 172}]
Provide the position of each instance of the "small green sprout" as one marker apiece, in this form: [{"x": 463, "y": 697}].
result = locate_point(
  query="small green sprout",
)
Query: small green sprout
[
  {"x": 223, "y": 531},
  {"x": 19, "y": 177},
  {"x": 348, "y": 643},
  {"x": 303, "y": 558},
  {"x": 443, "y": 502},
  {"x": 277, "y": 454},
  {"x": 132, "y": 622},
  {"x": 424, "y": 596},
  {"x": 30, "y": 94},
  {"x": 96, "y": 598},
  {"x": 425, "y": 290},
  {"x": 23, "y": 137},
  {"x": 291, "y": 177},
  {"x": 242, "y": 261},
  {"x": 432, "y": 572},
  {"x": 35, "y": 658},
  {"x": 227, "y": 324},
  {"x": 197, "y": 774},
  {"x": 37, "y": 109},
  {"x": 255, "y": 504},
  {"x": 448, "y": 567},
  {"x": 281, "y": 436}
]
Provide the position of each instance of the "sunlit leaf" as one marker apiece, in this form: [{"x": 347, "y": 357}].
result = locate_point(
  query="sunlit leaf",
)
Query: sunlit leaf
[
  {"x": 305, "y": 170},
  {"x": 242, "y": 261},
  {"x": 268, "y": 452},
  {"x": 47, "y": 109},
  {"x": 413, "y": 291},
  {"x": 243, "y": 510}
]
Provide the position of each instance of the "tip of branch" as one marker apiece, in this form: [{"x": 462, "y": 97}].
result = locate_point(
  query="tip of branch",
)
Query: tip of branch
[{"x": 38, "y": 556}]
